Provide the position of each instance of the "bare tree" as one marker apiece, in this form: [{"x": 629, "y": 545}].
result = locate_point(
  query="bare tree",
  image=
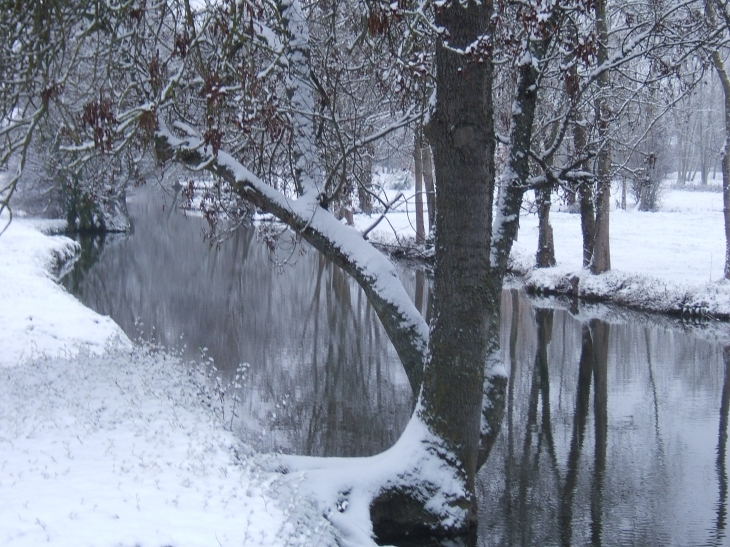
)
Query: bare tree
[{"x": 718, "y": 16}]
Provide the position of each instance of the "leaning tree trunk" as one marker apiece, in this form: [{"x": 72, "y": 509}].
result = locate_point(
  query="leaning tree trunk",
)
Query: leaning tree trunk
[
  {"x": 517, "y": 170},
  {"x": 447, "y": 426},
  {"x": 601, "y": 261},
  {"x": 450, "y": 405}
]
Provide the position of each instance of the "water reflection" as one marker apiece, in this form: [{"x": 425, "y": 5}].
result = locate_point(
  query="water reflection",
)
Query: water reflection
[
  {"x": 610, "y": 434},
  {"x": 615, "y": 429},
  {"x": 323, "y": 378},
  {"x": 720, "y": 533}
]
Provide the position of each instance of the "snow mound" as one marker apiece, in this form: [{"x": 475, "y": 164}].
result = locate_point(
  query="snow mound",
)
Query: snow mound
[
  {"x": 120, "y": 450},
  {"x": 37, "y": 315}
]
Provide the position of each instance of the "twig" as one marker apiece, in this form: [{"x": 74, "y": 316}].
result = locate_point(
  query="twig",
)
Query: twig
[{"x": 382, "y": 216}]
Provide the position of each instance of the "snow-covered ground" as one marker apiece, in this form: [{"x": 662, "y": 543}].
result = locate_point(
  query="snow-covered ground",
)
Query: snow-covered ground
[
  {"x": 36, "y": 316},
  {"x": 671, "y": 260},
  {"x": 103, "y": 443}
]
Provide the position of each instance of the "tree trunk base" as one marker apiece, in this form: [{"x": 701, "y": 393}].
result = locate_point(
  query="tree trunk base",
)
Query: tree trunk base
[{"x": 400, "y": 518}]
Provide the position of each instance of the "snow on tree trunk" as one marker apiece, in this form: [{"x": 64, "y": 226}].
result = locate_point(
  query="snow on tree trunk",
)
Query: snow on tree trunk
[
  {"x": 424, "y": 485},
  {"x": 305, "y": 163},
  {"x": 450, "y": 405},
  {"x": 513, "y": 182},
  {"x": 517, "y": 170},
  {"x": 722, "y": 72}
]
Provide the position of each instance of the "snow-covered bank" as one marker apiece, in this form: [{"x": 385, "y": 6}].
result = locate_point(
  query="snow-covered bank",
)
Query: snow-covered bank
[
  {"x": 670, "y": 261},
  {"x": 37, "y": 317},
  {"x": 119, "y": 450},
  {"x": 103, "y": 443}
]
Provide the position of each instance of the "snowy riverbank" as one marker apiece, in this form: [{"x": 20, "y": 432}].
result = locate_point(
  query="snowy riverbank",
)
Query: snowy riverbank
[
  {"x": 104, "y": 443},
  {"x": 669, "y": 261}
]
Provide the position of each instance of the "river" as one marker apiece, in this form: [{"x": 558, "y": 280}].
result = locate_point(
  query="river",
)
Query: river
[{"x": 615, "y": 428}]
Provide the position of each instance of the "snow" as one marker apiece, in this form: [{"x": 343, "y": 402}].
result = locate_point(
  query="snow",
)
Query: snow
[
  {"x": 119, "y": 450},
  {"x": 106, "y": 443},
  {"x": 36, "y": 316},
  {"x": 671, "y": 260},
  {"x": 346, "y": 487},
  {"x": 667, "y": 261}
]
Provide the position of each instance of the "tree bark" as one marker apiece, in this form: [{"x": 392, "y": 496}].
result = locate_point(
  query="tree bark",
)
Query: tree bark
[
  {"x": 585, "y": 189},
  {"x": 449, "y": 416},
  {"x": 545, "y": 257},
  {"x": 365, "y": 185},
  {"x": 514, "y": 180},
  {"x": 601, "y": 260},
  {"x": 722, "y": 72},
  {"x": 461, "y": 133}
]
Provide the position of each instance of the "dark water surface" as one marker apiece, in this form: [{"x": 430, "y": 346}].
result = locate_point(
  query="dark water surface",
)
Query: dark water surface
[{"x": 615, "y": 429}]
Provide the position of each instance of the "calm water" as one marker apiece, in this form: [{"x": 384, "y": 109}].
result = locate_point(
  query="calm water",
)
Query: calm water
[{"x": 614, "y": 431}]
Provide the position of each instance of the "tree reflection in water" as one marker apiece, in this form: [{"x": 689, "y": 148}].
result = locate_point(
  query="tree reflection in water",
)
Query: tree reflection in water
[
  {"x": 641, "y": 473},
  {"x": 720, "y": 533},
  {"x": 323, "y": 377}
]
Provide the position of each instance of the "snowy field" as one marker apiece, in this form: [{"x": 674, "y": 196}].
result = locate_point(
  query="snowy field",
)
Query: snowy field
[{"x": 671, "y": 260}]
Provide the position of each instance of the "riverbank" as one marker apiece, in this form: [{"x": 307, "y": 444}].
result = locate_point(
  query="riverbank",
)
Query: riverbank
[
  {"x": 670, "y": 261},
  {"x": 104, "y": 442}
]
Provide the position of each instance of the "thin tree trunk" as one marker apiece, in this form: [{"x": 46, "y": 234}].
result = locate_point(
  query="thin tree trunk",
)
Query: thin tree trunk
[
  {"x": 722, "y": 72},
  {"x": 601, "y": 260},
  {"x": 517, "y": 171},
  {"x": 680, "y": 153},
  {"x": 418, "y": 173},
  {"x": 430, "y": 189},
  {"x": 545, "y": 257},
  {"x": 585, "y": 189},
  {"x": 365, "y": 185}
]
